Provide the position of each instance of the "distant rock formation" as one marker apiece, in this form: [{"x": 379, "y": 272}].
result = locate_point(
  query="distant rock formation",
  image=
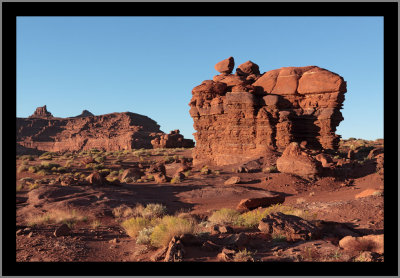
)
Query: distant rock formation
[
  {"x": 110, "y": 132},
  {"x": 242, "y": 116},
  {"x": 41, "y": 112},
  {"x": 85, "y": 113},
  {"x": 172, "y": 140}
]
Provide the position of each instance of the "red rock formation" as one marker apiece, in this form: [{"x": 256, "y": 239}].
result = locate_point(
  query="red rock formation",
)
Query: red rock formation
[
  {"x": 172, "y": 140},
  {"x": 85, "y": 113},
  {"x": 115, "y": 131},
  {"x": 41, "y": 112},
  {"x": 241, "y": 116}
]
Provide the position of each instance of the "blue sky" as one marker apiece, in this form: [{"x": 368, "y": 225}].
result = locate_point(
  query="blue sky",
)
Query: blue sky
[{"x": 149, "y": 65}]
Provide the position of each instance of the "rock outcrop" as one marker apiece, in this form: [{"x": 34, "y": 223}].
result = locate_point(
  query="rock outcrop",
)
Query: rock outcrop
[
  {"x": 298, "y": 162},
  {"x": 109, "y": 132},
  {"x": 41, "y": 112},
  {"x": 242, "y": 116},
  {"x": 172, "y": 140},
  {"x": 85, "y": 113}
]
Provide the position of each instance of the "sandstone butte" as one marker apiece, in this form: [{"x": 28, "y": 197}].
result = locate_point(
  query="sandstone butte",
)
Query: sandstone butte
[
  {"x": 115, "y": 131},
  {"x": 242, "y": 116}
]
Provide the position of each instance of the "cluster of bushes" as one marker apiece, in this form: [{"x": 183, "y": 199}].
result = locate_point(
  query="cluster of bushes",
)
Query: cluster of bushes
[
  {"x": 151, "y": 225},
  {"x": 45, "y": 168},
  {"x": 252, "y": 218}
]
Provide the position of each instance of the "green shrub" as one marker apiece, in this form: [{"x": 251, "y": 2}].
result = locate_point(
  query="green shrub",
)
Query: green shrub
[
  {"x": 43, "y": 172},
  {"x": 224, "y": 216},
  {"x": 133, "y": 225},
  {"x": 154, "y": 211},
  {"x": 205, "y": 170},
  {"x": 99, "y": 159},
  {"x": 143, "y": 237},
  {"x": 22, "y": 168},
  {"x": 168, "y": 159},
  {"x": 271, "y": 169},
  {"x": 27, "y": 157},
  {"x": 244, "y": 256},
  {"x": 48, "y": 165},
  {"x": 128, "y": 180},
  {"x": 278, "y": 237},
  {"x": 187, "y": 173},
  {"x": 98, "y": 167},
  {"x": 33, "y": 169},
  {"x": 114, "y": 173},
  {"x": 62, "y": 169},
  {"x": 169, "y": 227},
  {"x": 175, "y": 180},
  {"x": 45, "y": 157}
]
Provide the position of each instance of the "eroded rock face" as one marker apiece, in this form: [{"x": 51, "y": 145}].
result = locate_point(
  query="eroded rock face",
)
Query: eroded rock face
[
  {"x": 172, "y": 140},
  {"x": 41, "y": 112},
  {"x": 109, "y": 132},
  {"x": 241, "y": 116}
]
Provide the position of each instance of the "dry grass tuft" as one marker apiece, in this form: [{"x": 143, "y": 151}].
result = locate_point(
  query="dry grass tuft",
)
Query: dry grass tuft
[
  {"x": 69, "y": 217},
  {"x": 170, "y": 226}
]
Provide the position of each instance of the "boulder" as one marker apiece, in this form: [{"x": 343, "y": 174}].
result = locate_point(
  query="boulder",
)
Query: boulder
[
  {"x": 96, "y": 179},
  {"x": 296, "y": 161},
  {"x": 232, "y": 180},
  {"x": 253, "y": 203},
  {"x": 325, "y": 159},
  {"x": 133, "y": 173},
  {"x": 372, "y": 243},
  {"x": 292, "y": 227},
  {"x": 225, "y": 66},
  {"x": 63, "y": 230},
  {"x": 249, "y": 68}
]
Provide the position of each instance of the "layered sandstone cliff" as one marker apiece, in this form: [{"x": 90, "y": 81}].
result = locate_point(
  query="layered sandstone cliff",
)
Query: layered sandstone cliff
[
  {"x": 243, "y": 115},
  {"x": 115, "y": 131}
]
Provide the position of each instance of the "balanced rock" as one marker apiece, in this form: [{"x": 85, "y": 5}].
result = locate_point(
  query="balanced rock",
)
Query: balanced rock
[
  {"x": 249, "y": 68},
  {"x": 225, "y": 66},
  {"x": 296, "y": 161},
  {"x": 292, "y": 227}
]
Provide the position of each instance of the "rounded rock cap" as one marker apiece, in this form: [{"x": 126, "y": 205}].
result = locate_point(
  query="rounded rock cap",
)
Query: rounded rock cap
[{"x": 225, "y": 66}]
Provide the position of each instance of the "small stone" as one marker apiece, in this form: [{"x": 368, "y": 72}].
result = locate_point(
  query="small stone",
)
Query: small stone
[
  {"x": 63, "y": 230},
  {"x": 114, "y": 241},
  {"x": 232, "y": 180}
]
